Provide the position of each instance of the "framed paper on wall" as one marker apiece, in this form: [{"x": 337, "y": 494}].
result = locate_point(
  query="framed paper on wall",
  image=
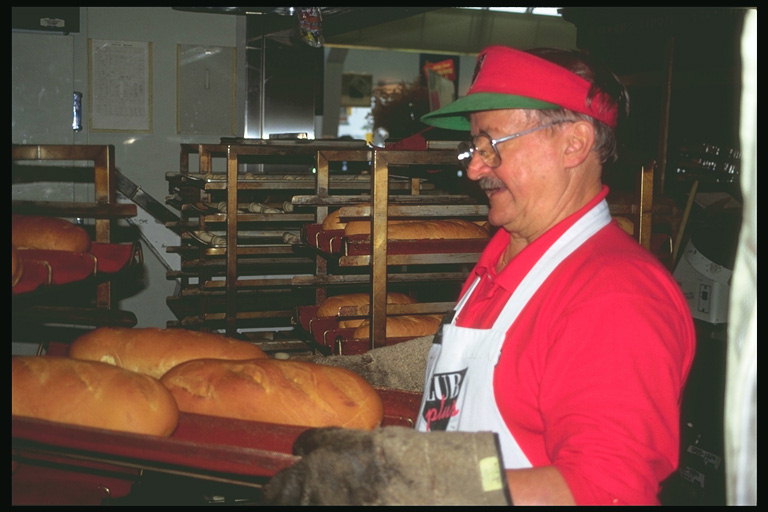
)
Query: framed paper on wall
[
  {"x": 206, "y": 90},
  {"x": 120, "y": 85}
]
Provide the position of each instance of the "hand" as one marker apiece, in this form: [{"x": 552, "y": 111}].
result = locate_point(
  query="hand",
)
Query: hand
[{"x": 392, "y": 466}]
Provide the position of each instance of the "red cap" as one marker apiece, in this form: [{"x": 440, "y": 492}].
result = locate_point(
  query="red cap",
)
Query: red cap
[{"x": 510, "y": 78}]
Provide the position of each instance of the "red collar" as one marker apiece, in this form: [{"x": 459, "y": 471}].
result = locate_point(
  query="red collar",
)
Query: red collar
[{"x": 519, "y": 266}]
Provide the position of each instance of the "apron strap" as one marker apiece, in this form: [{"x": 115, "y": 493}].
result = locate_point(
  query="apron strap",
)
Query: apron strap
[{"x": 581, "y": 231}]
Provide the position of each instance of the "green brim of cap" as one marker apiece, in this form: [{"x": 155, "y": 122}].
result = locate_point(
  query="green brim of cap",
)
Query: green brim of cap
[{"x": 455, "y": 116}]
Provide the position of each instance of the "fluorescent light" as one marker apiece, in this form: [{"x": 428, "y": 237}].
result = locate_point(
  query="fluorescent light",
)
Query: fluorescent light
[{"x": 541, "y": 11}]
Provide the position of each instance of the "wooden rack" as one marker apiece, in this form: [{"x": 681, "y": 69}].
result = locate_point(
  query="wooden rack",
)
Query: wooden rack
[
  {"x": 104, "y": 209},
  {"x": 389, "y": 194}
]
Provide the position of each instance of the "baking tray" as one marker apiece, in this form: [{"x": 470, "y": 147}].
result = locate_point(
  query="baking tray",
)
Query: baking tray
[
  {"x": 200, "y": 442},
  {"x": 50, "y": 267},
  {"x": 329, "y": 241},
  {"x": 316, "y": 325},
  {"x": 329, "y": 338},
  {"x": 323, "y": 331},
  {"x": 60, "y": 464}
]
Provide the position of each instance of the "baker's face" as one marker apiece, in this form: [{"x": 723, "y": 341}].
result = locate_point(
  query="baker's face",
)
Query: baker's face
[{"x": 524, "y": 191}]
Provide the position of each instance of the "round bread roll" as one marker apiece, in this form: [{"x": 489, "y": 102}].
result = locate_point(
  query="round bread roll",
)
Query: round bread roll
[
  {"x": 17, "y": 267},
  {"x": 403, "y": 326},
  {"x": 50, "y": 233},
  {"x": 276, "y": 391},
  {"x": 153, "y": 351},
  {"x": 91, "y": 394},
  {"x": 449, "y": 229},
  {"x": 331, "y": 305}
]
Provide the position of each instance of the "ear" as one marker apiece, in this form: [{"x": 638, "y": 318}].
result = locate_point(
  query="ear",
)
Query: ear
[{"x": 579, "y": 140}]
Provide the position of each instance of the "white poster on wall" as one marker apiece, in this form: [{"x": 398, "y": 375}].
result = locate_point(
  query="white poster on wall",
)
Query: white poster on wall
[
  {"x": 206, "y": 86},
  {"x": 120, "y": 81}
]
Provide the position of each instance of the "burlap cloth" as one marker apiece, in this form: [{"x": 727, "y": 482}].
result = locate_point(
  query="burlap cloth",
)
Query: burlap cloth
[{"x": 400, "y": 366}]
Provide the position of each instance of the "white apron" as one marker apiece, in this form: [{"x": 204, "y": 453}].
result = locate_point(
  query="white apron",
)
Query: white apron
[{"x": 458, "y": 391}]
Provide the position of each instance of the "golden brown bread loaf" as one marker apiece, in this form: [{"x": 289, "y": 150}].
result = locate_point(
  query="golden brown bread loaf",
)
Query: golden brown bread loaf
[
  {"x": 51, "y": 233},
  {"x": 154, "y": 351},
  {"x": 91, "y": 394},
  {"x": 17, "y": 267},
  {"x": 333, "y": 221},
  {"x": 276, "y": 391},
  {"x": 448, "y": 229},
  {"x": 412, "y": 229},
  {"x": 330, "y": 306},
  {"x": 403, "y": 326}
]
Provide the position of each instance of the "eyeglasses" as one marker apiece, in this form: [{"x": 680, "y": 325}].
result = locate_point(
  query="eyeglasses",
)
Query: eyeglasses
[{"x": 485, "y": 146}]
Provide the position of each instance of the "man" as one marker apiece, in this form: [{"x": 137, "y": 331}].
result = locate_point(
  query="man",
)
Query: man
[{"x": 570, "y": 342}]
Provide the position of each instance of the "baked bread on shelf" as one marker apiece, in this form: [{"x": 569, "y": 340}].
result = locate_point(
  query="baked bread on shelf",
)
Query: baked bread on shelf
[
  {"x": 331, "y": 305},
  {"x": 52, "y": 233},
  {"x": 333, "y": 221},
  {"x": 443, "y": 229},
  {"x": 412, "y": 229}
]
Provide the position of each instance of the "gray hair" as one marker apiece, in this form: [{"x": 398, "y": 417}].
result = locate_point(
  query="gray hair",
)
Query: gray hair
[{"x": 603, "y": 82}]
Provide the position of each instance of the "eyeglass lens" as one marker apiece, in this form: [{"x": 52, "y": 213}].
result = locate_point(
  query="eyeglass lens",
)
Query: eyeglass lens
[{"x": 482, "y": 145}]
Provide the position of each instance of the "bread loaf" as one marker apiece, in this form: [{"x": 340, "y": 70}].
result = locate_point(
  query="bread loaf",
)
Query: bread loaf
[
  {"x": 154, "y": 351},
  {"x": 333, "y": 221},
  {"x": 331, "y": 305},
  {"x": 275, "y": 391},
  {"x": 403, "y": 326},
  {"x": 17, "y": 267},
  {"x": 91, "y": 394},
  {"x": 51, "y": 233},
  {"x": 449, "y": 229}
]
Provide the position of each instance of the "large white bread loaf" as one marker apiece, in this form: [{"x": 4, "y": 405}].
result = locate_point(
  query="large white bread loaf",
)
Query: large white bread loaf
[
  {"x": 51, "y": 233},
  {"x": 403, "y": 326},
  {"x": 91, "y": 394},
  {"x": 444, "y": 229},
  {"x": 154, "y": 351},
  {"x": 276, "y": 391},
  {"x": 331, "y": 305}
]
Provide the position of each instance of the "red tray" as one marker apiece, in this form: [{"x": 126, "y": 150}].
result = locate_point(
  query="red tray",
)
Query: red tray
[
  {"x": 47, "y": 267},
  {"x": 329, "y": 241},
  {"x": 327, "y": 333},
  {"x": 317, "y": 326},
  {"x": 206, "y": 443},
  {"x": 54, "y": 463}
]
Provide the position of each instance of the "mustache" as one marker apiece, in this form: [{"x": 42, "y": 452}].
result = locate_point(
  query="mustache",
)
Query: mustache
[{"x": 490, "y": 183}]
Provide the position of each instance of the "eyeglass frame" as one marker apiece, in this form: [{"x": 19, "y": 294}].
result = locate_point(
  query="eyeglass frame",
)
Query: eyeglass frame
[{"x": 467, "y": 148}]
